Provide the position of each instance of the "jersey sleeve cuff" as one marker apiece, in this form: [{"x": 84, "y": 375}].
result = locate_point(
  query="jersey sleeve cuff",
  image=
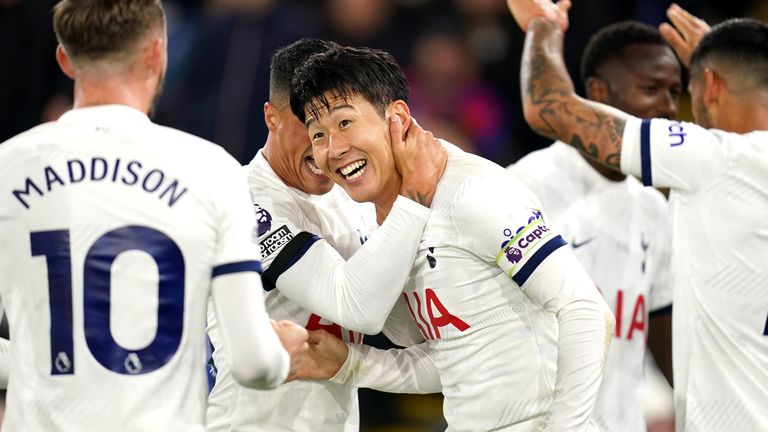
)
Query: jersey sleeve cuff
[
  {"x": 236, "y": 267},
  {"x": 345, "y": 372}
]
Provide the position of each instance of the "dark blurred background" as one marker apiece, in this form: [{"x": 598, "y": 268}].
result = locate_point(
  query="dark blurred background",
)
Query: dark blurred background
[{"x": 462, "y": 58}]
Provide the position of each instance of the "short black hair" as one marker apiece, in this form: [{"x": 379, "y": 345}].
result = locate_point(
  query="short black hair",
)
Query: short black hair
[
  {"x": 287, "y": 59},
  {"x": 741, "y": 42},
  {"x": 610, "y": 42},
  {"x": 345, "y": 72}
]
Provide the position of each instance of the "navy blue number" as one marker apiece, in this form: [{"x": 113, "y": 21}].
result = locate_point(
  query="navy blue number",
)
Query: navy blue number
[
  {"x": 765, "y": 332},
  {"x": 97, "y": 302},
  {"x": 54, "y": 245}
]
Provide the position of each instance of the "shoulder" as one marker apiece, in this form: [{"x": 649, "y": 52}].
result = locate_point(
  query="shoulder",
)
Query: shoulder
[
  {"x": 17, "y": 143},
  {"x": 548, "y": 170},
  {"x": 193, "y": 148},
  {"x": 476, "y": 186}
]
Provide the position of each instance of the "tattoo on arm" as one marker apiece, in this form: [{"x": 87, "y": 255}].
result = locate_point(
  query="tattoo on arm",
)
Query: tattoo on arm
[
  {"x": 554, "y": 110},
  {"x": 418, "y": 197}
]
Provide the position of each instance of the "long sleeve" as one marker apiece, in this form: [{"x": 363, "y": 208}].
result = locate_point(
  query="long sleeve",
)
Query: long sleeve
[
  {"x": 257, "y": 358},
  {"x": 359, "y": 293},
  {"x": 585, "y": 323},
  {"x": 408, "y": 370}
]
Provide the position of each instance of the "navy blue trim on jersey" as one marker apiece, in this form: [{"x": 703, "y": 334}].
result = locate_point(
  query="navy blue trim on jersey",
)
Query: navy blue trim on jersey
[
  {"x": 288, "y": 256},
  {"x": 537, "y": 258},
  {"x": 645, "y": 152},
  {"x": 236, "y": 267},
  {"x": 665, "y": 310}
]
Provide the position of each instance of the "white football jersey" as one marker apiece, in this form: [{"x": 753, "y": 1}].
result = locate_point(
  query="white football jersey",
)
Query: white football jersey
[
  {"x": 110, "y": 240},
  {"x": 494, "y": 343},
  {"x": 718, "y": 204},
  {"x": 620, "y": 233},
  {"x": 282, "y": 213}
]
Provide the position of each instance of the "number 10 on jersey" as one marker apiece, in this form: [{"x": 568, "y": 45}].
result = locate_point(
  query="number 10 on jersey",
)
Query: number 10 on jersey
[{"x": 97, "y": 274}]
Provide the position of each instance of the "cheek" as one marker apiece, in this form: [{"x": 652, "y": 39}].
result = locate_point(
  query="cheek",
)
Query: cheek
[{"x": 320, "y": 155}]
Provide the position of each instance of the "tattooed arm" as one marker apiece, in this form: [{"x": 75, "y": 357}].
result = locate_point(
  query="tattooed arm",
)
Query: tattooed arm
[{"x": 552, "y": 107}]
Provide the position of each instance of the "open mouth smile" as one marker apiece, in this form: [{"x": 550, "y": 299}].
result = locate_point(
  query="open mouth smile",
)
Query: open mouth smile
[
  {"x": 353, "y": 170},
  {"x": 313, "y": 168}
]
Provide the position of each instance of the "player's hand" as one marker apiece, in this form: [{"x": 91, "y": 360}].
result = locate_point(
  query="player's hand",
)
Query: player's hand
[
  {"x": 326, "y": 355},
  {"x": 686, "y": 33},
  {"x": 526, "y": 10},
  {"x": 294, "y": 340},
  {"x": 420, "y": 159}
]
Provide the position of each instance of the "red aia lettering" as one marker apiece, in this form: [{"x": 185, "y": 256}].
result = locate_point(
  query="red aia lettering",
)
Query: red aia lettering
[
  {"x": 433, "y": 303},
  {"x": 315, "y": 324},
  {"x": 638, "y": 316},
  {"x": 445, "y": 317}
]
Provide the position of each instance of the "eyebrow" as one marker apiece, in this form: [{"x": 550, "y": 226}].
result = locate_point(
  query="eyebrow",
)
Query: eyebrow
[{"x": 336, "y": 108}]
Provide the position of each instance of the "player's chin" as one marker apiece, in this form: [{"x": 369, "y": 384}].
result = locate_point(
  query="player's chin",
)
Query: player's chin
[{"x": 358, "y": 191}]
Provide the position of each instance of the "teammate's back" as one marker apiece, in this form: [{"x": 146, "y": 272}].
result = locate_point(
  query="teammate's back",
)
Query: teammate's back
[
  {"x": 108, "y": 241},
  {"x": 115, "y": 232}
]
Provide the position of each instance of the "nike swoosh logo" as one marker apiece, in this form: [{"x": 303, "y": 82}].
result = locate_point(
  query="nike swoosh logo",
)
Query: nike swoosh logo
[{"x": 577, "y": 245}]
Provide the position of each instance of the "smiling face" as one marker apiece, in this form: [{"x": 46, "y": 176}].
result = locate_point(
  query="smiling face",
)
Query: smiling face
[
  {"x": 644, "y": 81},
  {"x": 351, "y": 143},
  {"x": 289, "y": 152}
]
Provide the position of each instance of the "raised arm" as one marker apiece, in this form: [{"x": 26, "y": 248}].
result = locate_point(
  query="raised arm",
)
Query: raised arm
[
  {"x": 550, "y": 104},
  {"x": 686, "y": 33}
]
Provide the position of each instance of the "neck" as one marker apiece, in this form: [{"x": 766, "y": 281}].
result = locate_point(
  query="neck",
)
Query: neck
[
  {"x": 386, "y": 200},
  {"x": 113, "y": 89},
  {"x": 749, "y": 114},
  {"x": 280, "y": 165}
]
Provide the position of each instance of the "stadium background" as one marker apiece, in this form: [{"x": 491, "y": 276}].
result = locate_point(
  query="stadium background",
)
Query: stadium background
[{"x": 462, "y": 59}]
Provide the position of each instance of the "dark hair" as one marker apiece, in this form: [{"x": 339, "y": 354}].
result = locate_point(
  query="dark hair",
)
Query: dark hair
[
  {"x": 344, "y": 72},
  {"x": 286, "y": 60},
  {"x": 99, "y": 29},
  {"x": 741, "y": 42},
  {"x": 610, "y": 42}
]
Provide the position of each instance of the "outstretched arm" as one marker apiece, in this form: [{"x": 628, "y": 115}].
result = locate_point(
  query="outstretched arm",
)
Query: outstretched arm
[
  {"x": 550, "y": 104},
  {"x": 407, "y": 370}
]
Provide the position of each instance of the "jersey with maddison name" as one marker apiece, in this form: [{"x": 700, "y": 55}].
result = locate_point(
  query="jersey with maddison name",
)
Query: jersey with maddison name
[
  {"x": 110, "y": 237},
  {"x": 718, "y": 203},
  {"x": 283, "y": 212},
  {"x": 494, "y": 348},
  {"x": 620, "y": 233}
]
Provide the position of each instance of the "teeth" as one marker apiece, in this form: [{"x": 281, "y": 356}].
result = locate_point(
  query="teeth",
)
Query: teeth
[
  {"x": 351, "y": 167},
  {"x": 312, "y": 167},
  {"x": 356, "y": 175}
]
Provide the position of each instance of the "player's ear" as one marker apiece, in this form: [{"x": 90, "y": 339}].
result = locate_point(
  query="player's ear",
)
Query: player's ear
[
  {"x": 154, "y": 55},
  {"x": 271, "y": 116},
  {"x": 597, "y": 90},
  {"x": 64, "y": 63},
  {"x": 713, "y": 85},
  {"x": 400, "y": 109}
]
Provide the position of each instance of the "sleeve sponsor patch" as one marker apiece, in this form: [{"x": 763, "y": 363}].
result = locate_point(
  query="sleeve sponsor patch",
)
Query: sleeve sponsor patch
[
  {"x": 275, "y": 240},
  {"x": 522, "y": 244}
]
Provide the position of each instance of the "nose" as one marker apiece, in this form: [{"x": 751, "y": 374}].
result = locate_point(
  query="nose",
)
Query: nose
[
  {"x": 668, "y": 105},
  {"x": 338, "y": 146}
]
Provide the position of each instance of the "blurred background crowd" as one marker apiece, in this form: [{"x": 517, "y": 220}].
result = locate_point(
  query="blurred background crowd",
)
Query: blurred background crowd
[{"x": 462, "y": 58}]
